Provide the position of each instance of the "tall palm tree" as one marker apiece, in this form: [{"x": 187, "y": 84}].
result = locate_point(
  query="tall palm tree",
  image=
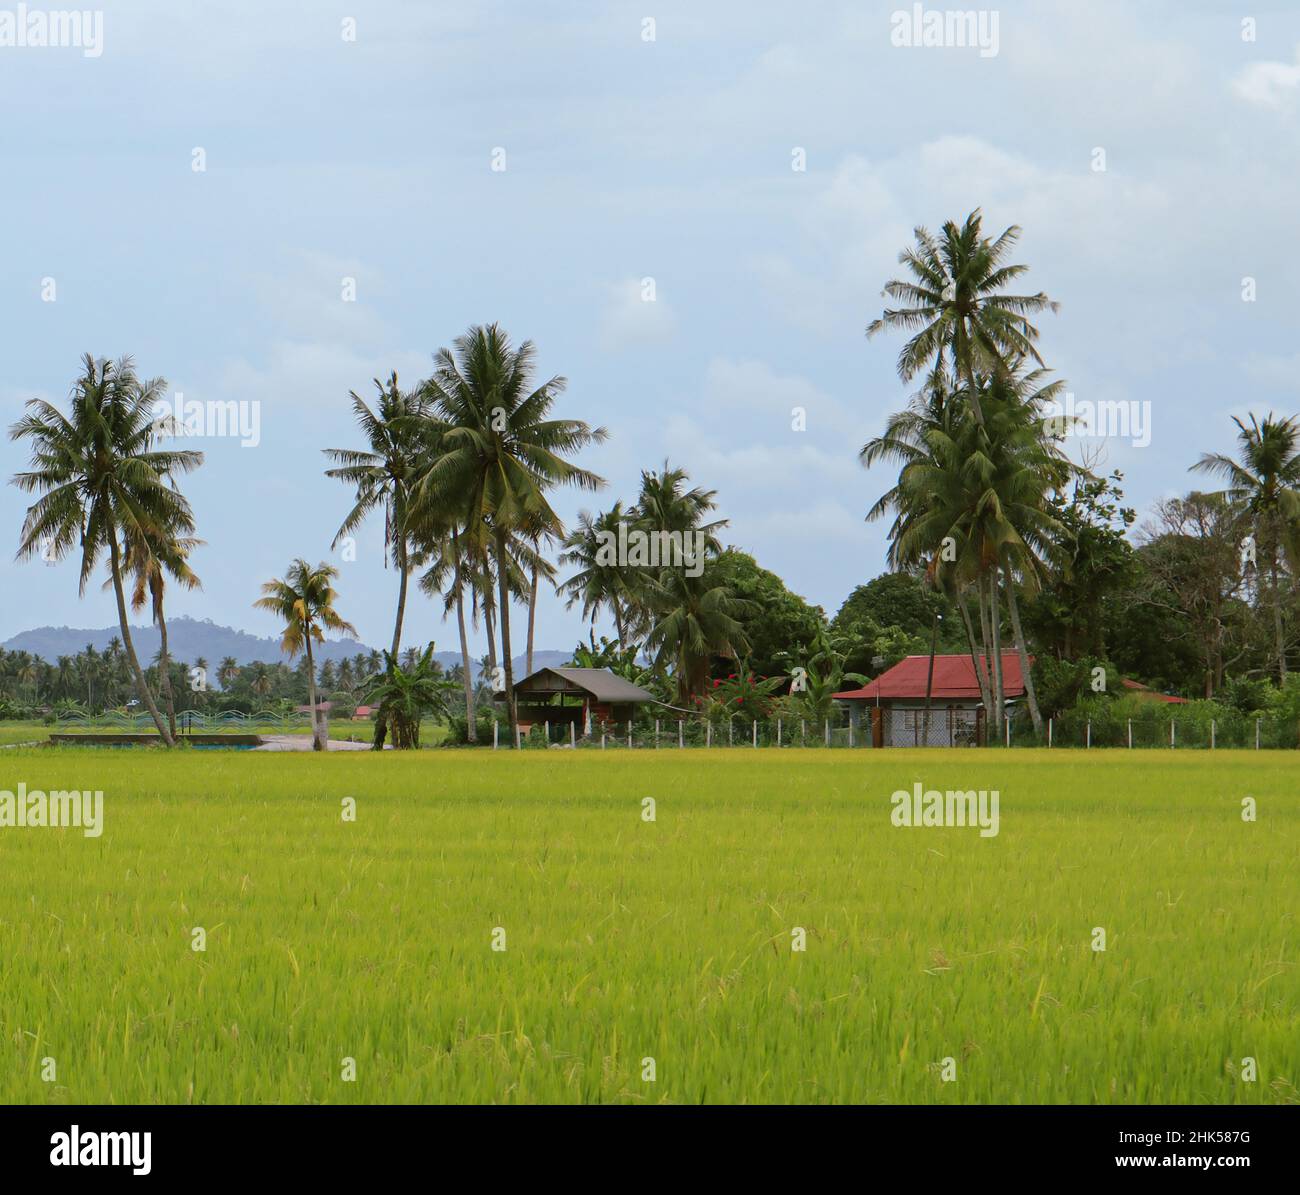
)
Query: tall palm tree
[
  {"x": 101, "y": 482},
  {"x": 227, "y": 671},
  {"x": 381, "y": 477},
  {"x": 304, "y": 601},
  {"x": 1266, "y": 481},
  {"x": 955, "y": 308},
  {"x": 448, "y": 574},
  {"x": 971, "y": 506},
  {"x": 502, "y": 453},
  {"x": 150, "y": 560}
]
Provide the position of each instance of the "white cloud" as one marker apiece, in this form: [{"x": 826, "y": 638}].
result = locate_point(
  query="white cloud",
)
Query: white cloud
[{"x": 1269, "y": 84}]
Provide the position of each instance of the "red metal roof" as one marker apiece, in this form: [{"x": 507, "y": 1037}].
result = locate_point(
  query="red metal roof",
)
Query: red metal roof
[
  {"x": 954, "y": 679},
  {"x": 1147, "y": 691}
]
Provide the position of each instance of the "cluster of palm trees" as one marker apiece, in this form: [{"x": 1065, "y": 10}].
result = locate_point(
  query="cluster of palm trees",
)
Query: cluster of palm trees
[
  {"x": 683, "y": 617},
  {"x": 978, "y": 448},
  {"x": 462, "y": 467}
]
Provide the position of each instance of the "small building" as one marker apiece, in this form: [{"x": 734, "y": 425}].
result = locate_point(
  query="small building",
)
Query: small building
[
  {"x": 894, "y": 703},
  {"x": 580, "y": 696},
  {"x": 365, "y": 713}
]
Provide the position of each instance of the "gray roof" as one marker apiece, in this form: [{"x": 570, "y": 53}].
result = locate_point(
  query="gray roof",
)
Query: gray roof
[{"x": 602, "y": 684}]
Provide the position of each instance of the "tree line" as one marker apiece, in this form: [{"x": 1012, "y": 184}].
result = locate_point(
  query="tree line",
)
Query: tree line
[{"x": 998, "y": 539}]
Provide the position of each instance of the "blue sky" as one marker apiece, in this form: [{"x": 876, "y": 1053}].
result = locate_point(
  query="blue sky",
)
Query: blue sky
[{"x": 629, "y": 159}]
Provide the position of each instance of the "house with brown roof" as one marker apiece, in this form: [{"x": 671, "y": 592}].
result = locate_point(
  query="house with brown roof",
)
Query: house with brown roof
[{"x": 582, "y": 696}]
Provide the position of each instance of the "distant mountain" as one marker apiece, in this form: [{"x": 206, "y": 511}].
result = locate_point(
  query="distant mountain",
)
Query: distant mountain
[{"x": 189, "y": 638}]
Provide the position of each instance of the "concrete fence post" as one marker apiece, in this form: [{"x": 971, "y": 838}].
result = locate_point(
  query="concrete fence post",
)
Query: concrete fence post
[
  {"x": 496, "y": 730},
  {"x": 1087, "y": 742},
  {"x": 681, "y": 734},
  {"x": 1130, "y": 734},
  {"x": 754, "y": 739}
]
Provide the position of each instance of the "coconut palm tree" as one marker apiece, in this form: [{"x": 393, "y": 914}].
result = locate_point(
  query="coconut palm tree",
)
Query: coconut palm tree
[
  {"x": 1266, "y": 481},
  {"x": 955, "y": 307},
  {"x": 227, "y": 671},
  {"x": 102, "y": 483},
  {"x": 599, "y": 583},
  {"x": 304, "y": 601},
  {"x": 448, "y": 574},
  {"x": 381, "y": 476},
  {"x": 695, "y": 622},
  {"x": 150, "y": 560},
  {"x": 502, "y": 453},
  {"x": 970, "y": 504}
]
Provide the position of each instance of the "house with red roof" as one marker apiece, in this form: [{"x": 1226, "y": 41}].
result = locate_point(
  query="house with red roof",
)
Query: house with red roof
[{"x": 895, "y": 702}]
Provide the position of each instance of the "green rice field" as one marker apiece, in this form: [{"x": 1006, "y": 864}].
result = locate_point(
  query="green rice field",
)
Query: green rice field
[{"x": 940, "y": 966}]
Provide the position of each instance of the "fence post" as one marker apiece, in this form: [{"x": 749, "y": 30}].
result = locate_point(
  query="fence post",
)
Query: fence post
[
  {"x": 496, "y": 731},
  {"x": 1088, "y": 740},
  {"x": 629, "y": 733},
  {"x": 1211, "y": 734},
  {"x": 681, "y": 734},
  {"x": 1008, "y": 726},
  {"x": 778, "y": 732},
  {"x": 754, "y": 739},
  {"x": 828, "y": 732},
  {"x": 1256, "y": 734},
  {"x": 1049, "y": 732},
  {"x": 850, "y": 732},
  {"x": 1171, "y": 734},
  {"x": 803, "y": 732},
  {"x": 656, "y": 734},
  {"x": 1130, "y": 734},
  {"x": 573, "y": 734}
]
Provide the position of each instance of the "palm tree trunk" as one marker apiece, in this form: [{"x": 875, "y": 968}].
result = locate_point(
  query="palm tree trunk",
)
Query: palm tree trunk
[
  {"x": 1279, "y": 644},
  {"x": 1030, "y": 696},
  {"x": 986, "y": 639},
  {"x": 532, "y": 620},
  {"x": 164, "y": 662},
  {"x": 618, "y": 622},
  {"x": 115, "y": 564},
  {"x": 503, "y": 566},
  {"x": 316, "y": 737},
  {"x": 381, "y": 719},
  {"x": 995, "y": 622},
  {"x": 981, "y": 676},
  {"x": 471, "y": 715}
]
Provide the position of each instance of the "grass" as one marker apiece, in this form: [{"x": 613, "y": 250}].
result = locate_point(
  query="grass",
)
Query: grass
[
  {"x": 431, "y": 733},
  {"x": 671, "y": 939}
]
